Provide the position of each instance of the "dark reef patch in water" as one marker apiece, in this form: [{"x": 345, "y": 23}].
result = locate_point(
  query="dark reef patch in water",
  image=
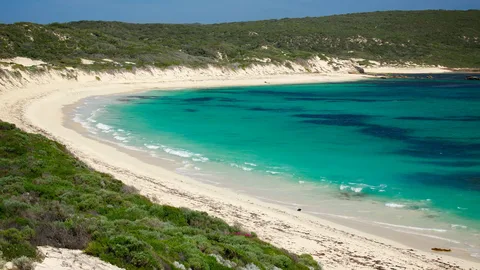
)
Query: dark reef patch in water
[
  {"x": 344, "y": 99},
  {"x": 450, "y": 118},
  {"x": 191, "y": 110},
  {"x": 396, "y": 91},
  {"x": 228, "y": 105},
  {"x": 345, "y": 120},
  {"x": 279, "y": 110},
  {"x": 199, "y": 99},
  {"x": 462, "y": 180},
  {"x": 140, "y": 98},
  {"x": 386, "y": 132},
  {"x": 357, "y": 120},
  {"x": 146, "y": 97},
  {"x": 459, "y": 164},
  {"x": 206, "y": 99},
  {"x": 434, "y": 148},
  {"x": 223, "y": 99},
  {"x": 431, "y": 148},
  {"x": 282, "y": 93}
]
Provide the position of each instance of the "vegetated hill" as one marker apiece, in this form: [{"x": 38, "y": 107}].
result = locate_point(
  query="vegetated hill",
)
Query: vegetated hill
[
  {"x": 48, "y": 197},
  {"x": 450, "y": 38}
]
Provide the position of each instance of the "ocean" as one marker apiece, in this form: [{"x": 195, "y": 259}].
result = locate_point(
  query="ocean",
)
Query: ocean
[{"x": 402, "y": 154}]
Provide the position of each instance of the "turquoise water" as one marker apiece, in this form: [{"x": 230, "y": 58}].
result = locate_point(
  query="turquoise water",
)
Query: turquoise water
[{"x": 407, "y": 144}]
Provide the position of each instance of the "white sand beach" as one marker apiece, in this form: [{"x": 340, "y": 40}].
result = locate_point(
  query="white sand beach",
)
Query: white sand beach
[
  {"x": 36, "y": 104},
  {"x": 406, "y": 70}
]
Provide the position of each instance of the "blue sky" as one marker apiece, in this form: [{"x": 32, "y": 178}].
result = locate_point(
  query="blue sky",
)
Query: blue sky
[{"x": 203, "y": 11}]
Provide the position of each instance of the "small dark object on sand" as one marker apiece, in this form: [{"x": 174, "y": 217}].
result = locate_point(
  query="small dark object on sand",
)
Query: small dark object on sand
[
  {"x": 442, "y": 249},
  {"x": 472, "y": 78},
  {"x": 299, "y": 209}
]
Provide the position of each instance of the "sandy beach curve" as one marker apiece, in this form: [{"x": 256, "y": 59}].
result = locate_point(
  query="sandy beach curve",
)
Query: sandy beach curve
[{"x": 38, "y": 108}]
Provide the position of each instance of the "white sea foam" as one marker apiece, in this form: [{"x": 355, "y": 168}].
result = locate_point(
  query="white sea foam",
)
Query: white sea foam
[
  {"x": 104, "y": 128},
  {"x": 301, "y": 182},
  {"x": 357, "y": 189},
  {"x": 78, "y": 118},
  {"x": 432, "y": 236},
  {"x": 458, "y": 226},
  {"x": 199, "y": 158},
  {"x": 411, "y": 228},
  {"x": 130, "y": 147},
  {"x": 273, "y": 173},
  {"x": 153, "y": 147},
  {"x": 180, "y": 153},
  {"x": 395, "y": 205},
  {"x": 120, "y": 138},
  {"x": 354, "y": 189},
  {"x": 186, "y": 165},
  {"x": 94, "y": 114},
  {"x": 251, "y": 164},
  {"x": 241, "y": 167},
  {"x": 85, "y": 124},
  {"x": 331, "y": 215},
  {"x": 91, "y": 120}
]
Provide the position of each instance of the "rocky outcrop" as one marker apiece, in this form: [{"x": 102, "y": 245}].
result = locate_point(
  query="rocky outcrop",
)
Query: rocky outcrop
[{"x": 360, "y": 69}]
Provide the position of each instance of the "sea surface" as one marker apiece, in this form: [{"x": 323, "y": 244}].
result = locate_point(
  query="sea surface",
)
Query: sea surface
[{"x": 402, "y": 154}]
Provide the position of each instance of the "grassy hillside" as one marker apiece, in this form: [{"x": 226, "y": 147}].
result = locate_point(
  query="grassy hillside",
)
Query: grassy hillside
[
  {"x": 450, "y": 38},
  {"x": 48, "y": 197}
]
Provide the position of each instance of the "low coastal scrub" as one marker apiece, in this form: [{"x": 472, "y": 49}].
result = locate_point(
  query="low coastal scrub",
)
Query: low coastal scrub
[
  {"x": 49, "y": 198},
  {"x": 433, "y": 37}
]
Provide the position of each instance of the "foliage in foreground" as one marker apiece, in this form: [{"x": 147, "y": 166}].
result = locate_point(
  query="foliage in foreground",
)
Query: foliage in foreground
[
  {"x": 437, "y": 37},
  {"x": 48, "y": 197}
]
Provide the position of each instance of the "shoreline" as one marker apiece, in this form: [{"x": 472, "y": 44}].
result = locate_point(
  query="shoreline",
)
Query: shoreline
[
  {"x": 40, "y": 110},
  {"x": 413, "y": 232}
]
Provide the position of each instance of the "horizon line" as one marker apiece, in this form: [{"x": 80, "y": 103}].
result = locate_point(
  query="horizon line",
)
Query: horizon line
[{"x": 246, "y": 21}]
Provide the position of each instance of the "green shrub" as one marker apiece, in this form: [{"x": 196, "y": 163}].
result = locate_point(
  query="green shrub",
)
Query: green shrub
[
  {"x": 19, "y": 67},
  {"x": 6, "y": 126},
  {"x": 14, "y": 244},
  {"x": 384, "y": 36},
  {"x": 24, "y": 263},
  {"x": 14, "y": 207},
  {"x": 2, "y": 260},
  {"x": 50, "y": 198}
]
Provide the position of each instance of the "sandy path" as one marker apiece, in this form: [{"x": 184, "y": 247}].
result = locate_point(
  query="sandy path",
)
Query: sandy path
[
  {"x": 64, "y": 259},
  {"x": 39, "y": 109}
]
